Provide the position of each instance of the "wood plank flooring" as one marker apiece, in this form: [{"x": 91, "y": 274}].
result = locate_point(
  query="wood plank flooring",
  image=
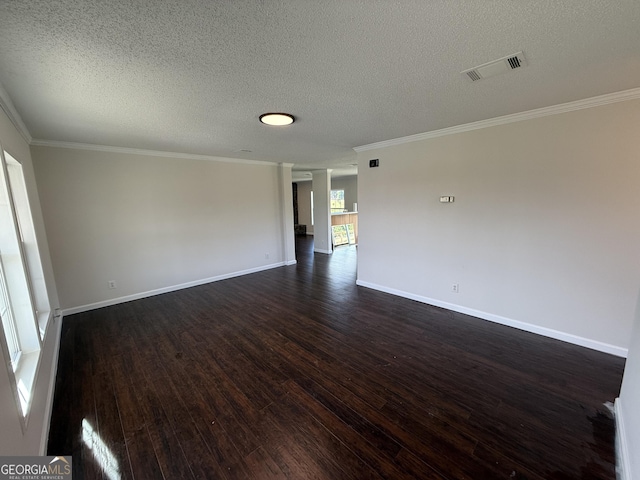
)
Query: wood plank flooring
[{"x": 296, "y": 373}]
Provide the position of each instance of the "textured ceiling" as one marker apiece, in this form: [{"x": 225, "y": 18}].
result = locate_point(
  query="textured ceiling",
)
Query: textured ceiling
[{"x": 193, "y": 76}]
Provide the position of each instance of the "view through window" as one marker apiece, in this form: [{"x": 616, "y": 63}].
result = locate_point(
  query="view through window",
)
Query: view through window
[{"x": 337, "y": 201}]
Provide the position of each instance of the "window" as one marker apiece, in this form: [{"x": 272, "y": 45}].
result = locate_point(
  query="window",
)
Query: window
[
  {"x": 24, "y": 304},
  {"x": 8, "y": 322},
  {"x": 337, "y": 201},
  {"x": 26, "y": 230}
]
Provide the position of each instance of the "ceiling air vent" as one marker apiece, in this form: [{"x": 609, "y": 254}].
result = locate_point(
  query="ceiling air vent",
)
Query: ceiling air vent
[
  {"x": 497, "y": 67},
  {"x": 473, "y": 75}
]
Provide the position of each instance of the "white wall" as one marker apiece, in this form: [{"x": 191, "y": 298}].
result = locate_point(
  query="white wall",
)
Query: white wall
[
  {"x": 152, "y": 223},
  {"x": 31, "y": 441},
  {"x": 286, "y": 213},
  {"x": 544, "y": 229},
  {"x": 321, "y": 186},
  {"x": 304, "y": 205},
  {"x": 350, "y": 186},
  {"x": 627, "y": 411}
]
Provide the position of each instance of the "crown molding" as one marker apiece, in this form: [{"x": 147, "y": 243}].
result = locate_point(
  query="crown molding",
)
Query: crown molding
[
  {"x": 7, "y": 106},
  {"x": 632, "y": 94},
  {"x": 139, "y": 151}
]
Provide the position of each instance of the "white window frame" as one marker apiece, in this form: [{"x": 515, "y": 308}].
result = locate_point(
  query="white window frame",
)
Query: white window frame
[
  {"x": 8, "y": 322},
  {"x": 23, "y": 286},
  {"x": 29, "y": 244}
]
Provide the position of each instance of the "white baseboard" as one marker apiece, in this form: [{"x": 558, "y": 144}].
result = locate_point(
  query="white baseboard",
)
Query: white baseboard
[
  {"x": 528, "y": 327},
  {"x": 328, "y": 252},
  {"x": 291, "y": 262},
  {"x": 52, "y": 385},
  {"x": 623, "y": 468},
  {"x": 172, "y": 288}
]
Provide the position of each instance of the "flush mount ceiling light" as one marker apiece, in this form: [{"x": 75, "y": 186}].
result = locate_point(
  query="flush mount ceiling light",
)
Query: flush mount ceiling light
[{"x": 277, "y": 119}]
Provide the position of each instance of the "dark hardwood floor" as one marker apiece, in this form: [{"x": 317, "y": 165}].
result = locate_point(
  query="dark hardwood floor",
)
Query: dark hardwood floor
[{"x": 298, "y": 373}]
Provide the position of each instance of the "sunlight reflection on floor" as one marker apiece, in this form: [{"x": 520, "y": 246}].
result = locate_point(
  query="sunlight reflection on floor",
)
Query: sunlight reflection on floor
[{"x": 100, "y": 451}]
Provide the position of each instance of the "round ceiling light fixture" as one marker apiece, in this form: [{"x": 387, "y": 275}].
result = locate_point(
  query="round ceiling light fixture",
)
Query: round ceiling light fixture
[{"x": 277, "y": 119}]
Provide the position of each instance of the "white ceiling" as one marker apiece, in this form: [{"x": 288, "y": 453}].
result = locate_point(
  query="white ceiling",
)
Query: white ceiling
[{"x": 193, "y": 76}]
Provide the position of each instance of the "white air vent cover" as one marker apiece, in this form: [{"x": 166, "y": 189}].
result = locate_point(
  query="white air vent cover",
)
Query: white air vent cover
[{"x": 497, "y": 67}]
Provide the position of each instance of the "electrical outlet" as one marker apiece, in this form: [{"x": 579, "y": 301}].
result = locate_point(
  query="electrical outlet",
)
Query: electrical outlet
[
  {"x": 455, "y": 288},
  {"x": 111, "y": 284}
]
